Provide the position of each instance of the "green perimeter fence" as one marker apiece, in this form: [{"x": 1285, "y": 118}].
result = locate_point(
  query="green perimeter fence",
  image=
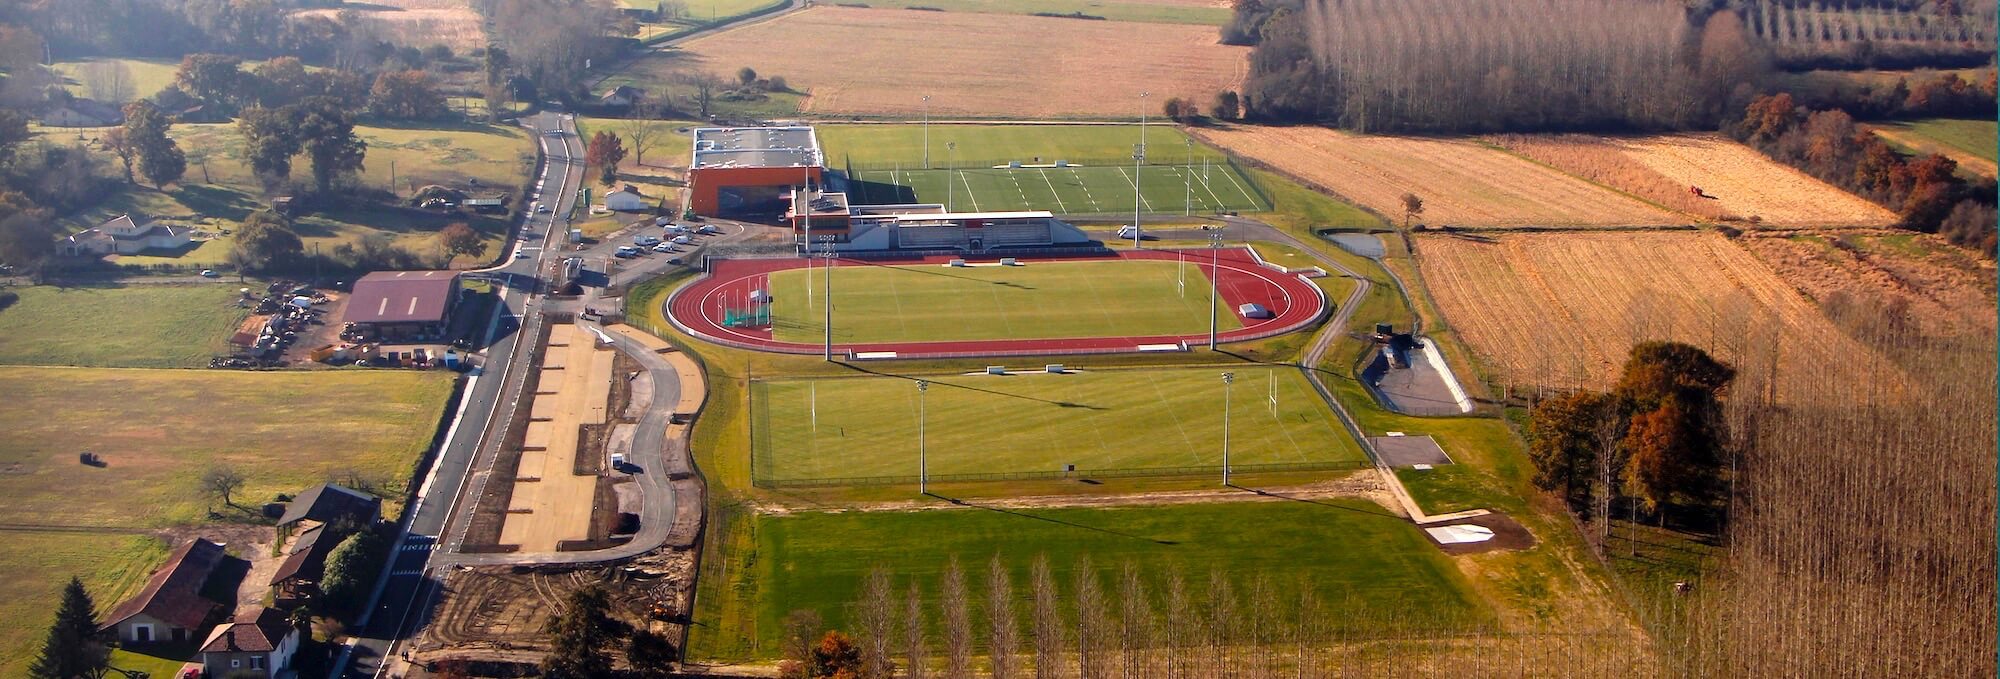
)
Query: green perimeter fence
[{"x": 761, "y": 464}]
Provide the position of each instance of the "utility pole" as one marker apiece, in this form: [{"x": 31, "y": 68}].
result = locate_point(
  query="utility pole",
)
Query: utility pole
[
  {"x": 1227, "y": 379},
  {"x": 1214, "y": 272},
  {"x": 927, "y": 131},
  {"x": 923, "y": 462}
]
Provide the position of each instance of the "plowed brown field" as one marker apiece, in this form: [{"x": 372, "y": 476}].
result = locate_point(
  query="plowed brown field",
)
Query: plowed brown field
[
  {"x": 1737, "y": 181},
  {"x": 874, "y": 61},
  {"x": 1462, "y": 182},
  {"x": 1944, "y": 289},
  {"x": 418, "y": 23},
  {"x": 1563, "y": 310}
]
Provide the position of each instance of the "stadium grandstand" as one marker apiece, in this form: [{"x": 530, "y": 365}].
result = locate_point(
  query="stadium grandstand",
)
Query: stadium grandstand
[
  {"x": 924, "y": 227},
  {"x": 746, "y": 170}
]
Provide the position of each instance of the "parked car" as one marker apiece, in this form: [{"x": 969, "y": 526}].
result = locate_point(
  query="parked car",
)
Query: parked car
[
  {"x": 210, "y": 273},
  {"x": 663, "y": 247},
  {"x": 644, "y": 241},
  {"x": 708, "y": 229},
  {"x": 627, "y": 251},
  {"x": 683, "y": 239}
]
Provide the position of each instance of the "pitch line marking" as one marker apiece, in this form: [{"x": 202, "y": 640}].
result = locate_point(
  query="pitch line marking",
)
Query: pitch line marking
[
  {"x": 1053, "y": 191},
  {"x": 1086, "y": 189},
  {"x": 1239, "y": 187},
  {"x": 968, "y": 190},
  {"x": 1135, "y": 189}
]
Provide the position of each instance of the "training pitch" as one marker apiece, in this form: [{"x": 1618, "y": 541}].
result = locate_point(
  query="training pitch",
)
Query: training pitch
[
  {"x": 931, "y": 303},
  {"x": 1168, "y": 189},
  {"x": 861, "y": 430}
]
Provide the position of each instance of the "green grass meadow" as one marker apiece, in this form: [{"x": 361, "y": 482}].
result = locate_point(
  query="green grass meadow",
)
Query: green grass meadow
[
  {"x": 34, "y": 567},
  {"x": 147, "y": 76},
  {"x": 1361, "y": 561},
  {"x": 135, "y": 326},
  {"x": 882, "y": 146},
  {"x": 1042, "y": 300},
  {"x": 160, "y": 430},
  {"x": 805, "y": 429},
  {"x": 1974, "y": 137}
]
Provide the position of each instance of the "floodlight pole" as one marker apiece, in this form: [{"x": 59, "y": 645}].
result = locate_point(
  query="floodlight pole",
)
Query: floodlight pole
[
  {"x": 927, "y": 132},
  {"x": 827, "y": 323},
  {"x": 1227, "y": 379},
  {"x": 950, "y": 164},
  {"x": 1214, "y": 272},
  {"x": 1187, "y": 180},
  {"x": 923, "y": 462},
  {"x": 1138, "y": 158}
]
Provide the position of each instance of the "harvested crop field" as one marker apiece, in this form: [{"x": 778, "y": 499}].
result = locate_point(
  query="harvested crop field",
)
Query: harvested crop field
[
  {"x": 1737, "y": 182},
  {"x": 418, "y": 23},
  {"x": 1048, "y": 67},
  {"x": 1563, "y": 310},
  {"x": 1944, "y": 289},
  {"x": 1462, "y": 182}
]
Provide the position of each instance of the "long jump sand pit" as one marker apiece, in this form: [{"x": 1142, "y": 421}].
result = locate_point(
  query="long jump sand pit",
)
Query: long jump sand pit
[
  {"x": 1461, "y": 181},
  {"x": 551, "y": 503},
  {"x": 1736, "y": 181},
  {"x": 1564, "y": 310},
  {"x": 878, "y": 61}
]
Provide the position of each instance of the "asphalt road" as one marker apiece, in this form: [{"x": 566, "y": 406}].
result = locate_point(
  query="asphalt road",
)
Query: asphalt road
[{"x": 497, "y": 383}]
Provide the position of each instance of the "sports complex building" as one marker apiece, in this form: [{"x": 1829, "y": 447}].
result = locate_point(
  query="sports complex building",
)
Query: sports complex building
[
  {"x": 828, "y": 219},
  {"x": 748, "y": 170}
]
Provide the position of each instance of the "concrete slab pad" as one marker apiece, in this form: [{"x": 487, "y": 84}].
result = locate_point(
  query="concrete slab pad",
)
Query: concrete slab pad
[
  {"x": 1405, "y": 451},
  {"x": 537, "y": 436}
]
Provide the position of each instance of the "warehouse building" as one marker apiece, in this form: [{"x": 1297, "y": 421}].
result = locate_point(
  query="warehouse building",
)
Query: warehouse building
[
  {"x": 925, "y": 227},
  {"x": 400, "y": 306}
]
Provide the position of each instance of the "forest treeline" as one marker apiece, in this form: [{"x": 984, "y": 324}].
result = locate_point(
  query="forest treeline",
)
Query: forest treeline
[{"x": 1474, "y": 66}]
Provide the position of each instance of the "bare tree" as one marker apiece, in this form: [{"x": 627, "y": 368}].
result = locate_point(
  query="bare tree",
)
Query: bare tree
[
  {"x": 802, "y": 628},
  {"x": 957, "y": 622},
  {"x": 1048, "y": 632},
  {"x": 221, "y": 481},
  {"x": 878, "y": 624},
  {"x": 1091, "y": 623},
  {"x": 1220, "y": 624},
  {"x": 1002, "y": 631},
  {"x": 916, "y": 655},
  {"x": 1135, "y": 624},
  {"x": 705, "y": 84},
  {"x": 1413, "y": 207},
  {"x": 640, "y": 135},
  {"x": 1181, "y": 626},
  {"x": 109, "y": 81}
]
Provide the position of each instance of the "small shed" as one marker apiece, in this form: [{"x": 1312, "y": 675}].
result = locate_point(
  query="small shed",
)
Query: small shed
[
  {"x": 1253, "y": 310},
  {"x": 627, "y": 199}
]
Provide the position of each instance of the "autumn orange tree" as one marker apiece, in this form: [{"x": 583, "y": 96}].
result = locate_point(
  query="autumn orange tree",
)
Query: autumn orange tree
[
  {"x": 605, "y": 151},
  {"x": 1660, "y": 429}
]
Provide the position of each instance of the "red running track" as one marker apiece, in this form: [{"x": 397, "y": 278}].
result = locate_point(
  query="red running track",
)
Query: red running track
[{"x": 1294, "y": 303}]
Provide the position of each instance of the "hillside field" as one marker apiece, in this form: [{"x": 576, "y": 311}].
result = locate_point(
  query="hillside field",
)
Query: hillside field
[
  {"x": 135, "y": 326},
  {"x": 1037, "y": 423},
  {"x": 1946, "y": 290},
  {"x": 1200, "y": 12},
  {"x": 160, "y": 430},
  {"x": 219, "y": 188},
  {"x": 1050, "y": 67},
  {"x": 1563, "y": 310},
  {"x": 1970, "y": 142},
  {"x": 1461, "y": 182},
  {"x": 1044, "y": 300},
  {"x": 416, "y": 23},
  {"x": 1354, "y": 555},
  {"x": 1737, "y": 182}
]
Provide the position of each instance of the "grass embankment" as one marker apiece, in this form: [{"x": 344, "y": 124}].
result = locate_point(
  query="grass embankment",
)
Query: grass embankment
[
  {"x": 1353, "y": 554},
  {"x": 1052, "y": 300},
  {"x": 34, "y": 567},
  {"x": 219, "y": 188},
  {"x": 135, "y": 326},
  {"x": 160, "y": 430},
  {"x": 1038, "y": 423}
]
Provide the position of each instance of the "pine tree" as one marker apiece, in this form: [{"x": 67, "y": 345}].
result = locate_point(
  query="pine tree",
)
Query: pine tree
[{"x": 72, "y": 648}]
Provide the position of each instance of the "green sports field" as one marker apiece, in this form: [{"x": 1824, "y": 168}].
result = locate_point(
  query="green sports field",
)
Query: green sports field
[
  {"x": 1033, "y": 423},
  {"x": 1042, "y": 300},
  {"x": 886, "y": 164},
  {"x": 1358, "y": 560}
]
